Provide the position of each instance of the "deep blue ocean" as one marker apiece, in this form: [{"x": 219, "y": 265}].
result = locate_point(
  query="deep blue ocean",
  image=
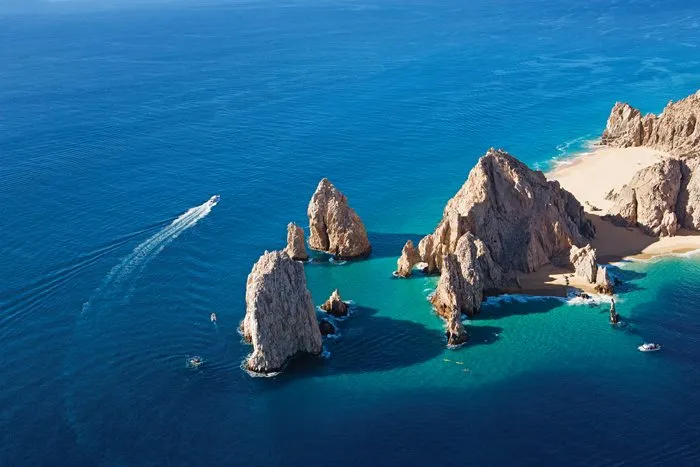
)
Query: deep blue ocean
[{"x": 115, "y": 122}]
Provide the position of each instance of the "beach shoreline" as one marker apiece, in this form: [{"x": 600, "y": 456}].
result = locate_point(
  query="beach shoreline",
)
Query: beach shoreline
[{"x": 590, "y": 176}]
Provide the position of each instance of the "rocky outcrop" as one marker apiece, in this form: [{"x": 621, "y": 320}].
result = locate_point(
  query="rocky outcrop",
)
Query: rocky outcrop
[
  {"x": 614, "y": 317},
  {"x": 456, "y": 333},
  {"x": 688, "y": 204},
  {"x": 466, "y": 275},
  {"x": 523, "y": 219},
  {"x": 675, "y": 130},
  {"x": 409, "y": 258},
  {"x": 280, "y": 318},
  {"x": 584, "y": 262},
  {"x": 650, "y": 198},
  {"x": 603, "y": 283},
  {"x": 296, "y": 248},
  {"x": 334, "y": 226},
  {"x": 335, "y": 305},
  {"x": 326, "y": 327}
]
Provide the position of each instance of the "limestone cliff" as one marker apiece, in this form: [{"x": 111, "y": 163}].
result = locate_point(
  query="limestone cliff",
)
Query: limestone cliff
[
  {"x": 456, "y": 333},
  {"x": 296, "y": 248},
  {"x": 523, "y": 219},
  {"x": 650, "y": 198},
  {"x": 280, "y": 318},
  {"x": 409, "y": 258},
  {"x": 334, "y": 226},
  {"x": 466, "y": 275},
  {"x": 675, "y": 130}
]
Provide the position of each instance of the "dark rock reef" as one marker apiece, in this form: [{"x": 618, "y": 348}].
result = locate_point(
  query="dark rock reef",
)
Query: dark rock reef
[{"x": 335, "y": 305}]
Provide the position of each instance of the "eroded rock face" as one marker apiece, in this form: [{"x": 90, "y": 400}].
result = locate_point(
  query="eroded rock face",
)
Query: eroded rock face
[
  {"x": 335, "y": 305},
  {"x": 456, "y": 333},
  {"x": 280, "y": 318},
  {"x": 603, "y": 283},
  {"x": 523, "y": 219},
  {"x": 675, "y": 130},
  {"x": 334, "y": 226},
  {"x": 584, "y": 262},
  {"x": 466, "y": 275},
  {"x": 688, "y": 205},
  {"x": 296, "y": 248},
  {"x": 650, "y": 198},
  {"x": 409, "y": 258}
]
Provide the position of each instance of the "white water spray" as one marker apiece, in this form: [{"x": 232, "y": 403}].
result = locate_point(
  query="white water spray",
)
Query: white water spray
[{"x": 131, "y": 265}]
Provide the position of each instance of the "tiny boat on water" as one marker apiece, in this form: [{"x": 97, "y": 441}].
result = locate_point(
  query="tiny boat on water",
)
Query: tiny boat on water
[
  {"x": 212, "y": 317},
  {"x": 649, "y": 347},
  {"x": 194, "y": 362}
]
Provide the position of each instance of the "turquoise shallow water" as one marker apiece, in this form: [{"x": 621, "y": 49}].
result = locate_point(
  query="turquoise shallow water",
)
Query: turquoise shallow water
[{"x": 113, "y": 124}]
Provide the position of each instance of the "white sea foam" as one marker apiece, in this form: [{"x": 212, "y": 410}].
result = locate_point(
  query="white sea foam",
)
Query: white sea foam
[{"x": 121, "y": 275}]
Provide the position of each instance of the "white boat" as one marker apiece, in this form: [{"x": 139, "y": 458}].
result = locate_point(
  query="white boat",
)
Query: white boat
[
  {"x": 214, "y": 199},
  {"x": 649, "y": 347}
]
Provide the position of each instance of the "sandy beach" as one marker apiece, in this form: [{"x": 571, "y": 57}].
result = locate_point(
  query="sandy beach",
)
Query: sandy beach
[{"x": 590, "y": 176}]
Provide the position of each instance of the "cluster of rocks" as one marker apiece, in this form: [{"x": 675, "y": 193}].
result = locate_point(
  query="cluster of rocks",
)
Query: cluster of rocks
[
  {"x": 585, "y": 264},
  {"x": 280, "y": 320},
  {"x": 675, "y": 130}
]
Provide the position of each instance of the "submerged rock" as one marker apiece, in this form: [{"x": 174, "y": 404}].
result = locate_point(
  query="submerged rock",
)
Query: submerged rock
[
  {"x": 409, "y": 258},
  {"x": 280, "y": 318},
  {"x": 326, "y": 327},
  {"x": 334, "y": 226},
  {"x": 675, "y": 130},
  {"x": 523, "y": 219},
  {"x": 296, "y": 248},
  {"x": 584, "y": 262},
  {"x": 335, "y": 305},
  {"x": 456, "y": 333}
]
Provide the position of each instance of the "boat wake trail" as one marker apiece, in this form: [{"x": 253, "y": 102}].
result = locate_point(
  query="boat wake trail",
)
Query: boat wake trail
[{"x": 120, "y": 277}]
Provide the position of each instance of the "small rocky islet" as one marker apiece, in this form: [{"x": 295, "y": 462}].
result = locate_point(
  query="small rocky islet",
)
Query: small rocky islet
[{"x": 507, "y": 220}]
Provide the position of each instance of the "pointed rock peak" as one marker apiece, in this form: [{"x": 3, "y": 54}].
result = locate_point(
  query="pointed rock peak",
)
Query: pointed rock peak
[
  {"x": 296, "y": 247},
  {"x": 409, "y": 258},
  {"x": 334, "y": 226},
  {"x": 335, "y": 305}
]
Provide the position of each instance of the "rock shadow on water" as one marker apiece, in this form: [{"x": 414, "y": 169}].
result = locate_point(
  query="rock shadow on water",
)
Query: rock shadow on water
[
  {"x": 371, "y": 343},
  {"x": 505, "y": 306},
  {"x": 389, "y": 245}
]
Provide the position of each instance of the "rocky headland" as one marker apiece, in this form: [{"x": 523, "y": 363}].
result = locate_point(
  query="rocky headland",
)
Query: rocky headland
[
  {"x": 280, "y": 320},
  {"x": 335, "y": 227}
]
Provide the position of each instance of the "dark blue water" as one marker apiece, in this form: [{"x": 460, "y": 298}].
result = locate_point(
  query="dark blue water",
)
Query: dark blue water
[{"x": 114, "y": 123}]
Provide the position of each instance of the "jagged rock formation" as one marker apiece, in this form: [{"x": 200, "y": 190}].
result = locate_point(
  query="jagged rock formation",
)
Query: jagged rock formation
[
  {"x": 688, "y": 203},
  {"x": 650, "y": 198},
  {"x": 603, "y": 284},
  {"x": 584, "y": 262},
  {"x": 456, "y": 333},
  {"x": 280, "y": 318},
  {"x": 409, "y": 258},
  {"x": 675, "y": 130},
  {"x": 326, "y": 327},
  {"x": 614, "y": 317},
  {"x": 335, "y": 305},
  {"x": 466, "y": 275},
  {"x": 523, "y": 219},
  {"x": 296, "y": 248},
  {"x": 334, "y": 226}
]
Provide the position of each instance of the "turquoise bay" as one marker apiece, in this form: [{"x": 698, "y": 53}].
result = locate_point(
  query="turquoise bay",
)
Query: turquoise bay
[{"x": 113, "y": 123}]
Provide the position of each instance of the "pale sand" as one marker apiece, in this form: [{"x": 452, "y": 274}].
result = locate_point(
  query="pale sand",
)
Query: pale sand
[{"x": 590, "y": 177}]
